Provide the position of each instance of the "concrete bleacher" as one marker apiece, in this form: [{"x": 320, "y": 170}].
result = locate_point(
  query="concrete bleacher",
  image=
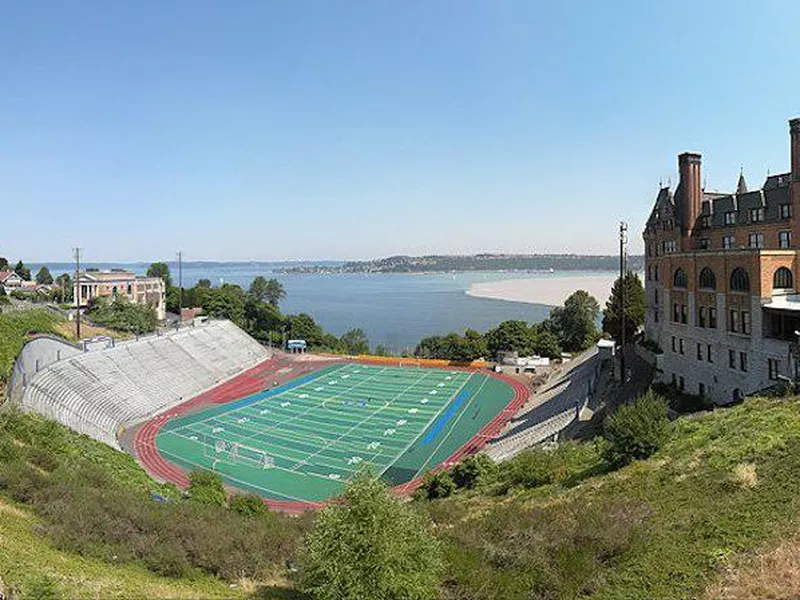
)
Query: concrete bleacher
[
  {"x": 99, "y": 393},
  {"x": 551, "y": 410}
]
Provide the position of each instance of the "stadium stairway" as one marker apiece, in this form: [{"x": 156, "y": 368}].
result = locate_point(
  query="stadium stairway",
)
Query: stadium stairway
[{"x": 102, "y": 392}]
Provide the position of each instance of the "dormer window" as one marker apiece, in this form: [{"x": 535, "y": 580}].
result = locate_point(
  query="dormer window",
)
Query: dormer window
[
  {"x": 785, "y": 211},
  {"x": 757, "y": 214},
  {"x": 705, "y": 222},
  {"x": 730, "y": 217}
]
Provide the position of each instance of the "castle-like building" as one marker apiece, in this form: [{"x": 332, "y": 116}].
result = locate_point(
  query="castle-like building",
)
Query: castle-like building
[{"x": 721, "y": 271}]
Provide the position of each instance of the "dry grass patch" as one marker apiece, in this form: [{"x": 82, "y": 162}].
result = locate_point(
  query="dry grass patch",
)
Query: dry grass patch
[
  {"x": 68, "y": 329},
  {"x": 744, "y": 474},
  {"x": 771, "y": 576}
]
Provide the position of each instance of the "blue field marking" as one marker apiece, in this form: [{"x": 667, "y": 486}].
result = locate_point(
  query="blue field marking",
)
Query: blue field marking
[
  {"x": 441, "y": 422},
  {"x": 258, "y": 396}
]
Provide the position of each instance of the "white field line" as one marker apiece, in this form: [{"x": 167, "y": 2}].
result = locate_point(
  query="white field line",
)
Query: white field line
[
  {"x": 367, "y": 418},
  {"x": 452, "y": 428},
  {"x": 412, "y": 442}
]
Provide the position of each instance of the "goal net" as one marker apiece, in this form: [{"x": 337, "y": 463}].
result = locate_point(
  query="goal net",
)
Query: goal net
[
  {"x": 239, "y": 453},
  {"x": 410, "y": 363}
]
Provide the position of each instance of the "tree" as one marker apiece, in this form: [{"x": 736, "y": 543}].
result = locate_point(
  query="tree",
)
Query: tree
[
  {"x": 437, "y": 485},
  {"x": 634, "y": 307},
  {"x": 470, "y": 471},
  {"x": 381, "y": 350},
  {"x": 509, "y": 336},
  {"x": 123, "y": 315},
  {"x": 258, "y": 289},
  {"x": 261, "y": 320},
  {"x": 429, "y": 347},
  {"x": 43, "y": 277},
  {"x": 3, "y": 264},
  {"x": 545, "y": 342},
  {"x": 225, "y": 302},
  {"x": 635, "y": 431},
  {"x": 65, "y": 291},
  {"x": 206, "y": 488},
  {"x": 274, "y": 292},
  {"x": 23, "y": 271},
  {"x": 355, "y": 342},
  {"x": 249, "y": 505},
  {"x": 160, "y": 269},
  {"x": 267, "y": 290},
  {"x": 303, "y": 327},
  {"x": 576, "y": 321},
  {"x": 370, "y": 545}
]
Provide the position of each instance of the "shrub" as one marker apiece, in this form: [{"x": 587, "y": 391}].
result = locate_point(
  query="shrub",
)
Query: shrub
[
  {"x": 370, "y": 545},
  {"x": 531, "y": 469},
  {"x": 635, "y": 431},
  {"x": 472, "y": 470},
  {"x": 43, "y": 588},
  {"x": 249, "y": 505},
  {"x": 206, "y": 488},
  {"x": 437, "y": 485}
]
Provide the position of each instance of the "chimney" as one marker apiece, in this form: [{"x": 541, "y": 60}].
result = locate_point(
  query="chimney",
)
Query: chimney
[
  {"x": 691, "y": 194},
  {"x": 794, "y": 132}
]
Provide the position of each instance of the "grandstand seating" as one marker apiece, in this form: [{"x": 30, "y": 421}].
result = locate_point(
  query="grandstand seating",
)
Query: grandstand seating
[{"x": 100, "y": 392}]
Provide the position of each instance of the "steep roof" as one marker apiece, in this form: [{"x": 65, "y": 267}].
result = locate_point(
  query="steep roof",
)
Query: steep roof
[{"x": 741, "y": 187}]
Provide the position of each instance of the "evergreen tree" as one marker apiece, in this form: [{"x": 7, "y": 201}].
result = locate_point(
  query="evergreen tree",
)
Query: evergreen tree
[
  {"x": 23, "y": 271},
  {"x": 575, "y": 322},
  {"x": 43, "y": 277},
  {"x": 634, "y": 307}
]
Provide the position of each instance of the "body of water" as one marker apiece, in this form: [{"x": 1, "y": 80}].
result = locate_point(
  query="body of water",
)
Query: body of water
[{"x": 396, "y": 310}]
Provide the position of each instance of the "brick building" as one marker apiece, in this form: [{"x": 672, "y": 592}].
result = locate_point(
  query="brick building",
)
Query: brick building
[
  {"x": 119, "y": 283},
  {"x": 720, "y": 280}
]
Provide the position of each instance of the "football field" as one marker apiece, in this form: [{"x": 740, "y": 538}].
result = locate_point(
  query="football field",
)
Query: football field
[{"x": 303, "y": 440}]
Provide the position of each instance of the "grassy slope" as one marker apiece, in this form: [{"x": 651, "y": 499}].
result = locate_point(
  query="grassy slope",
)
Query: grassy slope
[
  {"x": 14, "y": 326},
  {"x": 27, "y": 557},
  {"x": 27, "y": 554},
  {"x": 726, "y": 485}
]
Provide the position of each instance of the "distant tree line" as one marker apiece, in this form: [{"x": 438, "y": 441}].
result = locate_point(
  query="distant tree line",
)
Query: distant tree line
[
  {"x": 477, "y": 262},
  {"x": 569, "y": 328},
  {"x": 257, "y": 311}
]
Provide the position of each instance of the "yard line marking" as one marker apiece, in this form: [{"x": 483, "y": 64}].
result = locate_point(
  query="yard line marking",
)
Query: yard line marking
[
  {"x": 293, "y": 435},
  {"x": 367, "y": 418},
  {"x": 452, "y": 428},
  {"x": 424, "y": 429},
  {"x": 264, "y": 396},
  {"x": 245, "y": 484}
]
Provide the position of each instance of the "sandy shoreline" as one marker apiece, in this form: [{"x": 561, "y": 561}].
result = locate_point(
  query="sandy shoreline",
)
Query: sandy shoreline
[{"x": 551, "y": 291}]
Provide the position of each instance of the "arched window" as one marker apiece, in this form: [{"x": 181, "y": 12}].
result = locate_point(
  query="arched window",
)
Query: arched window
[
  {"x": 708, "y": 280},
  {"x": 679, "y": 280},
  {"x": 782, "y": 279},
  {"x": 740, "y": 282}
]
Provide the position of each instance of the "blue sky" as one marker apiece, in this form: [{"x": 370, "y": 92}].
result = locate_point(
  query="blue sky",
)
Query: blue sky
[{"x": 311, "y": 129}]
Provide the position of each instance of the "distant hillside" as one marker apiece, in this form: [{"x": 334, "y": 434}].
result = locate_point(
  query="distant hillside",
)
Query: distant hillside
[{"x": 475, "y": 262}]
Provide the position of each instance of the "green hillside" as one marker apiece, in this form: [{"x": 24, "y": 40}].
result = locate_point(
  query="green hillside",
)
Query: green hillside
[
  {"x": 725, "y": 485},
  {"x": 78, "y": 517}
]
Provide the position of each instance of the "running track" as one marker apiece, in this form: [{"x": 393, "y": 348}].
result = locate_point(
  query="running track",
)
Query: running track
[{"x": 255, "y": 380}]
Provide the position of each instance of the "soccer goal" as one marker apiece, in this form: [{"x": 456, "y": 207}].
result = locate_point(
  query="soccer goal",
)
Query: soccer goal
[
  {"x": 235, "y": 452},
  {"x": 411, "y": 363}
]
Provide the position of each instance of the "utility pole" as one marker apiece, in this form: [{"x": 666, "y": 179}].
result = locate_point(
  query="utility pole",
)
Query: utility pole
[
  {"x": 180, "y": 287},
  {"x": 77, "y": 292},
  {"x": 623, "y": 240}
]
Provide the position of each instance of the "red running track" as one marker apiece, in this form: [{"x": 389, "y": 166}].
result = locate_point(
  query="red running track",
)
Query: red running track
[{"x": 255, "y": 380}]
